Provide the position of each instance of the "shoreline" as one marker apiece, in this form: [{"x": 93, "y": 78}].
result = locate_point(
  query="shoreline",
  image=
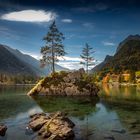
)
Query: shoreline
[
  {"x": 120, "y": 84},
  {"x": 98, "y": 83},
  {"x": 17, "y": 84}
]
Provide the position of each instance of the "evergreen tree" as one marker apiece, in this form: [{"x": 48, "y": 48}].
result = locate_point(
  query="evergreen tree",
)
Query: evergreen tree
[
  {"x": 53, "y": 48},
  {"x": 88, "y": 59}
]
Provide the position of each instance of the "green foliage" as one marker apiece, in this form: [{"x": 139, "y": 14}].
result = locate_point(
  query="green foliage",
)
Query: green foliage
[
  {"x": 18, "y": 79},
  {"x": 54, "y": 79},
  {"x": 95, "y": 77},
  {"x": 85, "y": 82},
  {"x": 53, "y": 48},
  {"x": 63, "y": 73},
  {"x": 137, "y": 73},
  {"x": 87, "y": 57}
]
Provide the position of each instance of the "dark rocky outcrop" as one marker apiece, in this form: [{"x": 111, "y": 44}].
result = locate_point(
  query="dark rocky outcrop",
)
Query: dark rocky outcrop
[
  {"x": 55, "y": 126},
  {"x": 3, "y": 129},
  {"x": 66, "y": 84}
]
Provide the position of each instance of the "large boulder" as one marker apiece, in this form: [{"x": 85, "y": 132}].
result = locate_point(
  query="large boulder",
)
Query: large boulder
[
  {"x": 55, "y": 126},
  {"x": 66, "y": 83},
  {"x": 3, "y": 129}
]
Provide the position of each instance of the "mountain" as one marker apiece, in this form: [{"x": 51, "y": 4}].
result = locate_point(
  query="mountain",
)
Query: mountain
[
  {"x": 127, "y": 56},
  {"x": 30, "y": 62},
  {"x": 130, "y": 37},
  {"x": 9, "y": 64},
  {"x": 102, "y": 64}
]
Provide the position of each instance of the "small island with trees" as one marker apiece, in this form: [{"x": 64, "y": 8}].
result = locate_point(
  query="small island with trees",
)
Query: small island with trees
[{"x": 63, "y": 83}]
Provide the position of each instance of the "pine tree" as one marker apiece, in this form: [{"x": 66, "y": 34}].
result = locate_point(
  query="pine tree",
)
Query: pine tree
[
  {"x": 54, "y": 47},
  {"x": 88, "y": 59}
]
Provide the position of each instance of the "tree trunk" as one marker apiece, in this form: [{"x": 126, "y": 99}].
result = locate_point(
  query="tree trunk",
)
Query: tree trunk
[
  {"x": 53, "y": 59},
  {"x": 87, "y": 67},
  {"x": 53, "y": 65}
]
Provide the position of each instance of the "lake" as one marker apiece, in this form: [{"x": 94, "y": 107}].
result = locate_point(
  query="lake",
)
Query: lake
[{"x": 113, "y": 116}]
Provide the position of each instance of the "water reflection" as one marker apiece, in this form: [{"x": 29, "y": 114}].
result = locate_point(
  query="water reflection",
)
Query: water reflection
[
  {"x": 13, "y": 101},
  {"x": 73, "y": 106},
  {"x": 114, "y": 116},
  {"x": 120, "y": 92}
]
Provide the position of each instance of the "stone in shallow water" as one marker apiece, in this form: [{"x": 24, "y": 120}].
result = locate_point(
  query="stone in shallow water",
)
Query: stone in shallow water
[
  {"x": 37, "y": 122},
  {"x": 135, "y": 132},
  {"x": 109, "y": 138},
  {"x": 121, "y": 131},
  {"x": 3, "y": 129},
  {"x": 56, "y": 126}
]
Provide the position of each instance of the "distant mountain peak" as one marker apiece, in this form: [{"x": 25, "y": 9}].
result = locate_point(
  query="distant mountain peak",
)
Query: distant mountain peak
[
  {"x": 130, "y": 37},
  {"x": 133, "y": 37},
  {"x": 108, "y": 57}
]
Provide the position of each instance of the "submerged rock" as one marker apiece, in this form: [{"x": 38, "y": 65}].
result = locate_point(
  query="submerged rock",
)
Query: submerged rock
[
  {"x": 121, "y": 131},
  {"x": 55, "y": 126},
  {"x": 3, "y": 129},
  {"x": 66, "y": 84},
  {"x": 109, "y": 138}
]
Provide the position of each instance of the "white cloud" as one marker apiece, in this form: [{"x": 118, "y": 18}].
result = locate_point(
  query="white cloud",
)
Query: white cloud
[
  {"x": 30, "y": 16},
  {"x": 34, "y": 55},
  {"x": 88, "y": 25},
  {"x": 70, "y": 62},
  {"x": 70, "y": 36},
  {"x": 70, "y": 65},
  {"x": 67, "y": 20},
  {"x": 105, "y": 43},
  {"x": 66, "y": 58}
]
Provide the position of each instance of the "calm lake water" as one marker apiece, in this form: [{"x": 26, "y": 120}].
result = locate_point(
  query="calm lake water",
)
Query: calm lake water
[{"x": 115, "y": 116}]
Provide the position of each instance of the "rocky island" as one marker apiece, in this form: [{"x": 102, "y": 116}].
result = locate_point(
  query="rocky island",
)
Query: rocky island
[{"x": 76, "y": 83}]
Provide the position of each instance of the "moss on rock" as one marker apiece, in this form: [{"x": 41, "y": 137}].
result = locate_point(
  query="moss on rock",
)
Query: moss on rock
[{"x": 66, "y": 83}]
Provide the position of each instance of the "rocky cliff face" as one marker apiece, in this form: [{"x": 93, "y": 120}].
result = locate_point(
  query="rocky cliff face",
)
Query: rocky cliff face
[{"x": 66, "y": 84}]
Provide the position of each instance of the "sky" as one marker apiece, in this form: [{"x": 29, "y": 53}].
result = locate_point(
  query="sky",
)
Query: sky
[{"x": 103, "y": 24}]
